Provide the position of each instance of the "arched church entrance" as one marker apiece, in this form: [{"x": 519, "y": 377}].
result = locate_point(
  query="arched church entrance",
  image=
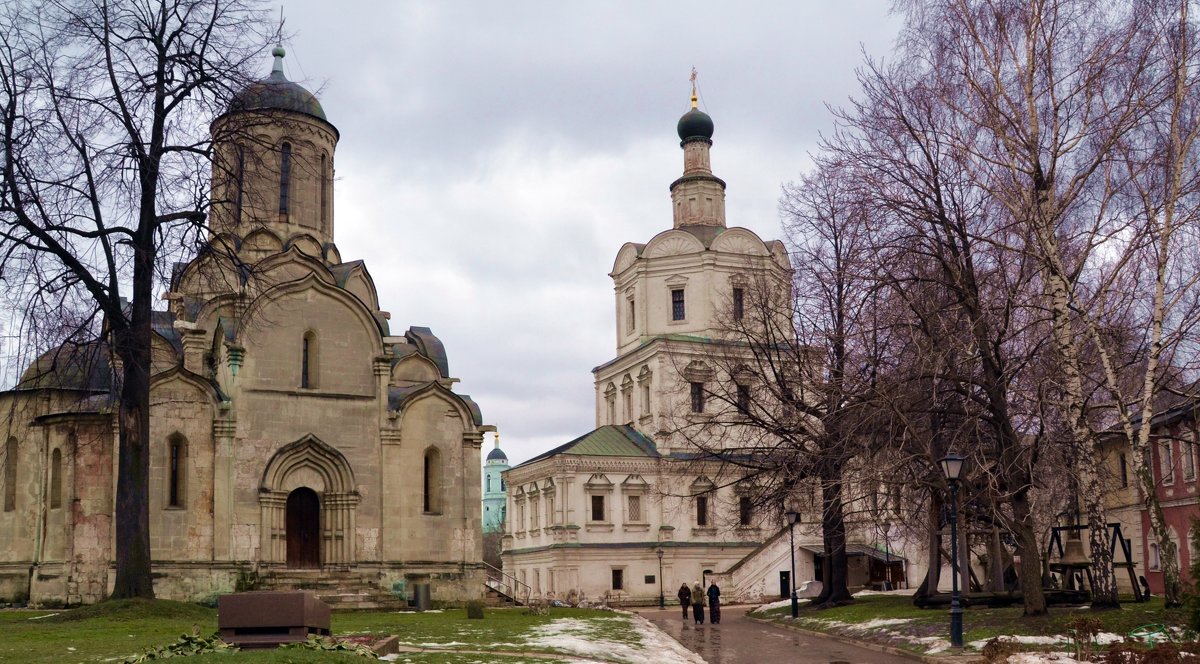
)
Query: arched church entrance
[
  {"x": 303, "y": 528},
  {"x": 308, "y": 501}
]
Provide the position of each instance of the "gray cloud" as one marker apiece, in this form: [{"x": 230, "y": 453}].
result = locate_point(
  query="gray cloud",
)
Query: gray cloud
[{"x": 495, "y": 156}]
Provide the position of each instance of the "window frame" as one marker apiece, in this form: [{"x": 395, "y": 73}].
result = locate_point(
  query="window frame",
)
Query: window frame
[
  {"x": 739, "y": 303},
  {"x": 678, "y": 304},
  {"x": 285, "y": 177},
  {"x": 697, "y": 400},
  {"x": 592, "y": 505}
]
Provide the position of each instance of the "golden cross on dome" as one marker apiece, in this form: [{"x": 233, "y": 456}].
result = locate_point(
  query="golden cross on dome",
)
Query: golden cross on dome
[{"x": 693, "y": 80}]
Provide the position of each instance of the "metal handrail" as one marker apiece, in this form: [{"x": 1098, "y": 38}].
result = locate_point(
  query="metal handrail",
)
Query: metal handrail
[{"x": 501, "y": 578}]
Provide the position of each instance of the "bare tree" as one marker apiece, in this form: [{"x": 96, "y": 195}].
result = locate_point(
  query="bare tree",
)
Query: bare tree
[{"x": 104, "y": 108}]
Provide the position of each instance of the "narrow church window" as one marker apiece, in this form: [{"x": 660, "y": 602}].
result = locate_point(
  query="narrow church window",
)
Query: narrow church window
[
  {"x": 745, "y": 510},
  {"x": 597, "y": 508},
  {"x": 285, "y": 176},
  {"x": 739, "y": 304},
  {"x": 176, "y": 470},
  {"x": 697, "y": 397},
  {"x": 743, "y": 399},
  {"x": 239, "y": 184},
  {"x": 550, "y": 520},
  {"x": 489, "y": 483},
  {"x": 10, "y": 475},
  {"x": 631, "y": 320},
  {"x": 1167, "y": 463},
  {"x": 433, "y": 481},
  {"x": 627, "y": 395},
  {"x": 308, "y": 360},
  {"x": 1187, "y": 458},
  {"x": 55, "y": 479},
  {"x": 1123, "y": 471},
  {"x": 324, "y": 191},
  {"x": 701, "y": 510},
  {"x": 677, "y": 309}
]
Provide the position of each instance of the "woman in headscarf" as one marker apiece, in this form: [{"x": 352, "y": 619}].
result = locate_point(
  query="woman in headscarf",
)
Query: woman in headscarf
[
  {"x": 698, "y": 604},
  {"x": 714, "y": 604},
  {"x": 685, "y": 598}
]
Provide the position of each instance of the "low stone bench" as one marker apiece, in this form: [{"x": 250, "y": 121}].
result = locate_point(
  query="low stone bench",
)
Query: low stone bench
[{"x": 268, "y": 618}]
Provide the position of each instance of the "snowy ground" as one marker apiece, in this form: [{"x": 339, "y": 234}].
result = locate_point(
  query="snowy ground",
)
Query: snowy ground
[{"x": 581, "y": 639}]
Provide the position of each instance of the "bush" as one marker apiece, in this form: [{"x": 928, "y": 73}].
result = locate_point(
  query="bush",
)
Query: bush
[
  {"x": 997, "y": 650},
  {"x": 1193, "y": 597},
  {"x": 475, "y": 609}
]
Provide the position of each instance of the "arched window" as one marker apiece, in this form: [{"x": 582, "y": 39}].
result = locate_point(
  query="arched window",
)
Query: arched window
[
  {"x": 324, "y": 191},
  {"x": 433, "y": 481},
  {"x": 55, "y": 479},
  {"x": 1155, "y": 561},
  {"x": 308, "y": 360},
  {"x": 10, "y": 475},
  {"x": 489, "y": 483},
  {"x": 176, "y": 471},
  {"x": 239, "y": 184},
  {"x": 285, "y": 176}
]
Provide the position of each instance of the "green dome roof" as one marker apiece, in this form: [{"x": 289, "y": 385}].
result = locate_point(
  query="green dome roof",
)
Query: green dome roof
[
  {"x": 695, "y": 124},
  {"x": 275, "y": 92}
]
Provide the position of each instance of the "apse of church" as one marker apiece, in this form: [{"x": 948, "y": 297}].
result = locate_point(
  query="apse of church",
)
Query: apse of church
[{"x": 294, "y": 434}]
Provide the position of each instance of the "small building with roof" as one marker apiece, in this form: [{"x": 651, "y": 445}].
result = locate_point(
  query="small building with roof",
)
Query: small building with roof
[{"x": 296, "y": 438}]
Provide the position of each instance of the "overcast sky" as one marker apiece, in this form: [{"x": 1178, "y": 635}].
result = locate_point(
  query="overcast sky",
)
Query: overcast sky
[{"x": 494, "y": 156}]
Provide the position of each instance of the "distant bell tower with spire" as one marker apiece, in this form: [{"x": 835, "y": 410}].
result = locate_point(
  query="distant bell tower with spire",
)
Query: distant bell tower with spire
[{"x": 493, "y": 489}]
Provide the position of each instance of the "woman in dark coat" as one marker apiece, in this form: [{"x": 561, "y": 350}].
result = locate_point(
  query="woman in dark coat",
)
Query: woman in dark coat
[
  {"x": 698, "y": 604},
  {"x": 685, "y": 598},
  {"x": 714, "y": 604}
]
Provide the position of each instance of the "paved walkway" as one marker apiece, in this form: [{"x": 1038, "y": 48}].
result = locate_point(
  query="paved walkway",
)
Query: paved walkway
[{"x": 739, "y": 640}]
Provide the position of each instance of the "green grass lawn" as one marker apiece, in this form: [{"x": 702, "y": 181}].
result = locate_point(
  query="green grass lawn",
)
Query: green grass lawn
[
  {"x": 111, "y": 631},
  {"x": 921, "y": 629}
]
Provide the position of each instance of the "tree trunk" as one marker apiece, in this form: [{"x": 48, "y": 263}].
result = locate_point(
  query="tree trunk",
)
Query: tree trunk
[
  {"x": 132, "y": 346},
  {"x": 1033, "y": 598},
  {"x": 933, "y": 575},
  {"x": 833, "y": 526}
]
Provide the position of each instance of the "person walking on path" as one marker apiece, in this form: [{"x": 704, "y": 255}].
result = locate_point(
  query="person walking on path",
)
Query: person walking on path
[
  {"x": 698, "y": 604},
  {"x": 714, "y": 604},
  {"x": 685, "y": 598}
]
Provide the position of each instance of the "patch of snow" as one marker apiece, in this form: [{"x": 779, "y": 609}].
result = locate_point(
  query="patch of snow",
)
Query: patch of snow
[
  {"x": 40, "y": 617},
  {"x": 1042, "y": 658},
  {"x": 577, "y": 636},
  {"x": 776, "y": 605},
  {"x": 905, "y": 592},
  {"x": 880, "y": 622}
]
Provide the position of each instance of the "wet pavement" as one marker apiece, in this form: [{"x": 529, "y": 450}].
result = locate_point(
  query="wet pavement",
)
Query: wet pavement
[{"x": 739, "y": 640}]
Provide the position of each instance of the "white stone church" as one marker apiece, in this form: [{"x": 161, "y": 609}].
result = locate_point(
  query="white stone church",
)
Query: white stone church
[
  {"x": 298, "y": 439},
  {"x": 626, "y": 510}
]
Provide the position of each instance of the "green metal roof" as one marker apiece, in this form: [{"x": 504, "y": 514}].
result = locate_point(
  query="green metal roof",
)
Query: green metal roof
[{"x": 609, "y": 440}]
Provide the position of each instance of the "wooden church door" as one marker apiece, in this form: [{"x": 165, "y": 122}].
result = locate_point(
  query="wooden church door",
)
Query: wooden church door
[{"x": 303, "y": 528}]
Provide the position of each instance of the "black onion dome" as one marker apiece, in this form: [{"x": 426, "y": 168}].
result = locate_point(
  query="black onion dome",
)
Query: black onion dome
[
  {"x": 275, "y": 92},
  {"x": 695, "y": 124},
  {"x": 497, "y": 455}
]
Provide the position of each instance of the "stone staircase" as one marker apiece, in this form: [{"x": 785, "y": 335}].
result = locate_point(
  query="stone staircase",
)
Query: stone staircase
[{"x": 341, "y": 589}]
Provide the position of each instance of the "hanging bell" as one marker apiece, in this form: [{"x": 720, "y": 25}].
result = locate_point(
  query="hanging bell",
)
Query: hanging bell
[{"x": 1074, "y": 555}]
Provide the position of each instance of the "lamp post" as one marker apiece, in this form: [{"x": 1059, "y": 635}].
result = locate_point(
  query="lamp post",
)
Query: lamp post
[
  {"x": 662, "y": 600},
  {"x": 793, "y": 518},
  {"x": 887, "y": 553},
  {"x": 952, "y": 467}
]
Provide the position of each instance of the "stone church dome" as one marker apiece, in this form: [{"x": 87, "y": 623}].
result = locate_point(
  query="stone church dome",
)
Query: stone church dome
[
  {"x": 275, "y": 92},
  {"x": 497, "y": 454}
]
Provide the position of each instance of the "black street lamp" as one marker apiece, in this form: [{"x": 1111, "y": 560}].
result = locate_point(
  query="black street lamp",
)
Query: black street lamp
[
  {"x": 662, "y": 600},
  {"x": 793, "y": 518},
  {"x": 952, "y": 467}
]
